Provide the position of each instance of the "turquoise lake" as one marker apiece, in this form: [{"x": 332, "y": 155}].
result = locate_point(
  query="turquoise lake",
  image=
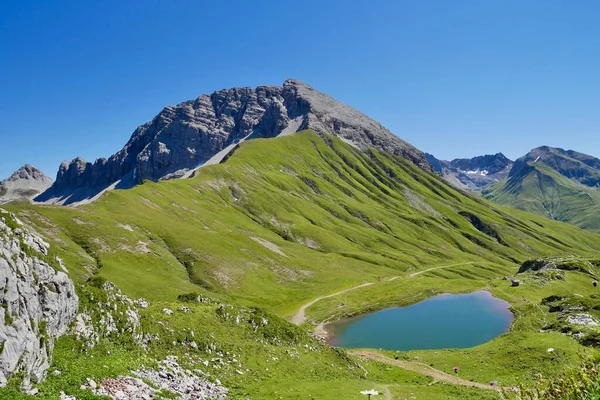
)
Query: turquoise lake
[{"x": 445, "y": 321}]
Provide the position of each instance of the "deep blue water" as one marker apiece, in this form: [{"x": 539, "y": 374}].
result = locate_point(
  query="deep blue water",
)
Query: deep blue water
[{"x": 446, "y": 321}]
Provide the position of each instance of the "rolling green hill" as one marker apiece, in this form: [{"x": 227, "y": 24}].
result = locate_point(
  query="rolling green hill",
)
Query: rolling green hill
[
  {"x": 538, "y": 188},
  {"x": 284, "y": 220},
  {"x": 281, "y": 222}
]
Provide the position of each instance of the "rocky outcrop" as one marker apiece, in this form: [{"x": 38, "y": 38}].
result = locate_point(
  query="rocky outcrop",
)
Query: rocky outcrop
[
  {"x": 26, "y": 183},
  {"x": 473, "y": 173},
  {"x": 170, "y": 376},
  {"x": 187, "y": 135},
  {"x": 582, "y": 319},
  {"x": 37, "y": 303},
  {"x": 112, "y": 316},
  {"x": 586, "y": 266}
]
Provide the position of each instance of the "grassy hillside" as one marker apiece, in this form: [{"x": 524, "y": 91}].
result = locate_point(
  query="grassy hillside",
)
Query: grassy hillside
[
  {"x": 540, "y": 189},
  {"x": 287, "y": 219},
  {"x": 284, "y": 221}
]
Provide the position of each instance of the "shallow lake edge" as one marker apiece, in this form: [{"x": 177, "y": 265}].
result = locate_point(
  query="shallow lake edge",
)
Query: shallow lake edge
[{"x": 323, "y": 330}]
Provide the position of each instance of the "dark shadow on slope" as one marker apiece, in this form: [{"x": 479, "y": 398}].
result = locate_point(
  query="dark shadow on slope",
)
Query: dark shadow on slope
[
  {"x": 68, "y": 196},
  {"x": 483, "y": 226}
]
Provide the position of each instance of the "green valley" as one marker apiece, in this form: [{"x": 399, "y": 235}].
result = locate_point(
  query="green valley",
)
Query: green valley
[{"x": 235, "y": 251}]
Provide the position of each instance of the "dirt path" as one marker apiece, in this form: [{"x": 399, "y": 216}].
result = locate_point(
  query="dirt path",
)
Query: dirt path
[
  {"x": 387, "y": 394},
  {"x": 445, "y": 266},
  {"x": 421, "y": 368},
  {"x": 300, "y": 316}
]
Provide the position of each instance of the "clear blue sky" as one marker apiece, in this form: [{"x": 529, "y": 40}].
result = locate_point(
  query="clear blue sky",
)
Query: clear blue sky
[{"x": 454, "y": 78}]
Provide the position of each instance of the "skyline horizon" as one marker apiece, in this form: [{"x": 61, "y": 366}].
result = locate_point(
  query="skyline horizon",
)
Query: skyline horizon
[
  {"x": 52, "y": 175},
  {"x": 455, "y": 80}
]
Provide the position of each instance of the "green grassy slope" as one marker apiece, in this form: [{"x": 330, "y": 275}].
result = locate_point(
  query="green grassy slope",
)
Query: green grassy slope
[
  {"x": 282, "y": 222},
  {"x": 287, "y": 219},
  {"x": 540, "y": 189}
]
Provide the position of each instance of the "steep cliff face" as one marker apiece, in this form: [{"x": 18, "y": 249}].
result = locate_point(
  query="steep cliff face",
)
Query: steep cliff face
[
  {"x": 24, "y": 184},
  {"x": 37, "y": 303},
  {"x": 187, "y": 135}
]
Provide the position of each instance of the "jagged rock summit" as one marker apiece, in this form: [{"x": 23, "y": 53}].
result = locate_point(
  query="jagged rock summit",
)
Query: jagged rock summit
[
  {"x": 473, "y": 173},
  {"x": 24, "y": 184},
  {"x": 202, "y": 131}
]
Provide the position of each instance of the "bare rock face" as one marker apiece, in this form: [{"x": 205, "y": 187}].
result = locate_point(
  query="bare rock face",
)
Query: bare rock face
[
  {"x": 475, "y": 173},
  {"x": 26, "y": 183},
  {"x": 37, "y": 303},
  {"x": 184, "y": 136}
]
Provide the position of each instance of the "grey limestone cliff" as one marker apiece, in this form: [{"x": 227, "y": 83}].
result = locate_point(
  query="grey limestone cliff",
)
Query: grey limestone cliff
[
  {"x": 37, "y": 303},
  {"x": 187, "y": 135}
]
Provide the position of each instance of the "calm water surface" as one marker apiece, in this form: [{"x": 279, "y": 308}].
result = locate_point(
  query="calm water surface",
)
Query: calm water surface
[{"x": 446, "y": 321}]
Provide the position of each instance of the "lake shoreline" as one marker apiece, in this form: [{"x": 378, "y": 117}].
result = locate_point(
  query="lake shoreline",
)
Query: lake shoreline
[{"x": 494, "y": 306}]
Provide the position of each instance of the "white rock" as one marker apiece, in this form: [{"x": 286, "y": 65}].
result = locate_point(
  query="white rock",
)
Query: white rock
[
  {"x": 33, "y": 295},
  {"x": 64, "y": 396},
  {"x": 141, "y": 303},
  {"x": 582, "y": 319}
]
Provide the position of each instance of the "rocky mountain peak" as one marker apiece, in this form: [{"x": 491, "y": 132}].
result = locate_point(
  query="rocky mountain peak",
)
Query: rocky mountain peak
[
  {"x": 190, "y": 134},
  {"x": 492, "y": 163},
  {"x": 28, "y": 172},
  {"x": 473, "y": 173},
  {"x": 24, "y": 184}
]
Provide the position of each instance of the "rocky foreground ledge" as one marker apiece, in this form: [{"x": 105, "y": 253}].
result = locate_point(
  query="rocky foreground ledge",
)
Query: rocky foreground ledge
[
  {"x": 37, "y": 303},
  {"x": 148, "y": 383}
]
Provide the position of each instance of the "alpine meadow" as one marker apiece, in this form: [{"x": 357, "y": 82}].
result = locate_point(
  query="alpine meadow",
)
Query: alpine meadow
[
  {"x": 413, "y": 215},
  {"x": 241, "y": 246}
]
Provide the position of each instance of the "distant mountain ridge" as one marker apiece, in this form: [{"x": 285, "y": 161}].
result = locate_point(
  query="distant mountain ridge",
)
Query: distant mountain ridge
[
  {"x": 559, "y": 184},
  {"x": 24, "y": 184},
  {"x": 579, "y": 167},
  {"x": 473, "y": 173},
  {"x": 183, "y": 137},
  {"x": 550, "y": 181}
]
